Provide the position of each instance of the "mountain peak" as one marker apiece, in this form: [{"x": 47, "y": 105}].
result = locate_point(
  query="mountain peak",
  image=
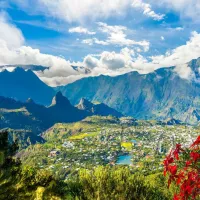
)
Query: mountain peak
[
  {"x": 4, "y": 71},
  {"x": 60, "y": 100},
  {"x": 18, "y": 70},
  {"x": 29, "y": 100},
  {"x": 84, "y": 104}
]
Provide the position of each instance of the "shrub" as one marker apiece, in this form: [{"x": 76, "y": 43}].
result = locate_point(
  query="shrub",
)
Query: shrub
[{"x": 183, "y": 168}]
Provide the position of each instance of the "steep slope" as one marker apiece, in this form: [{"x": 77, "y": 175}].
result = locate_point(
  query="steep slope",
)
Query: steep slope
[
  {"x": 21, "y": 85},
  {"x": 97, "y": 109},
  {"x": 17, "y": 115},
  {"x": 62, "y": 110},
  {"x": 158, "y": 95},
  {"x": 37, "y": 118}
]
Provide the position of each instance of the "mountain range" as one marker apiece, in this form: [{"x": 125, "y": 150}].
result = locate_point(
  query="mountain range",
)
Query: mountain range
[
  {"x": 37, "y": 118},
  {"x": 21, "y": 85},
  {"x": 158, "y": 95}
]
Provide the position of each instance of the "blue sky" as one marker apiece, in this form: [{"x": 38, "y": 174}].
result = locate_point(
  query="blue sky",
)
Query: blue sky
[{"x": 106, "y": 36}]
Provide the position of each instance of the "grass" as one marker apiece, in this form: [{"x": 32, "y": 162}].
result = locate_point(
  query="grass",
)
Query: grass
[{"x": 83, "y": 135}]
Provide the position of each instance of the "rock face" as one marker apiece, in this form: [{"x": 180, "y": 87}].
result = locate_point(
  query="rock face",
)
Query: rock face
[
  {"x": 97, "y": 109},
  {"x": 63, "y": 111},
  {"x": 159, "y": 95},
  {"x": 21, "y": 85},
  {"x": 86, "y": 105},
  {"x": 60, "y": 101}
]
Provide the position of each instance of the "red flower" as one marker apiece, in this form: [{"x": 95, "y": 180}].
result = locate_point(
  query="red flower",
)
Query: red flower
[
  {"x": 188, "y": 163},
  {"x": 195, "y": 156},
  {"x": 180, "y": 177},
  {"x": 196, "y": 142},
  {"x": 184, "y": 172},
  {"x": 176, "y": 197},
  {"x": 173, "y": 169},
  {"x": 167, "y": 162},
  {"x": 177, "y": 151}
]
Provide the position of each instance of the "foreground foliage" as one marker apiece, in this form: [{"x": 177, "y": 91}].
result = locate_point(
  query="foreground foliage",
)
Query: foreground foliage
[
  {"x": 183, "y": 168},
  {"x": 103, "y": 183}
]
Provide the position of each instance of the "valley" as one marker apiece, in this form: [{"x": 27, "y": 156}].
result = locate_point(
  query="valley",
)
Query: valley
[
  {"x": 99, "y": 100},
  {"x": 100, "y": 141}
]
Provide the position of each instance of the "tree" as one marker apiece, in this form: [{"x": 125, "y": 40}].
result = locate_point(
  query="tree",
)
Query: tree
[{"x": 9, "y": 167}]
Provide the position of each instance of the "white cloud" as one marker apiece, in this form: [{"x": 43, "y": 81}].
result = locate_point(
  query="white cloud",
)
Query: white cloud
[
  {"x": 112, "y": 61},
  {"x": 186, "y": 8},
  {"x": 59, "y": 80},
  {"x": 116, "y": 36},
  {"x": 92, "y": 41},
  {"x": 9, "y": 34},
  {"x": 129, "y": 60},
  {"x": 184, "y": 71},
  {"x": 84, "y": 10},
  {"x": 77, "y": 10},
  {"x": 90, "y": 62},
  {"x": 147, "y": 10},
  {"x": 181, "y": 54},
  {"x": 82, "y": 30},
  {"x": 14, "y": 52}
]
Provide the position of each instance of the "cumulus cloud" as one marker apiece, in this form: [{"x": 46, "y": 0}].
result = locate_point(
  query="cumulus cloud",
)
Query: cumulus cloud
[
  {"x": 181, "y": 54},
  {"x": 113, "y": 61},
  {"x": 14, "y": 52},
  {"x": 110, "y": 62},
  {"x": 9, "y": 34},
  {"x": 147, "y": 10},
  {"x": 58, "y": 67},
  {"x": 91, "y": 62},
  {"x": 130, "y": 60},
  {"x": 82, "y": 30}
]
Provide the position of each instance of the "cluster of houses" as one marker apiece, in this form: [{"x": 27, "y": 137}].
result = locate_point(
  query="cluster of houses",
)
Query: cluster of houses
[{"x": 105, "y": 147}]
